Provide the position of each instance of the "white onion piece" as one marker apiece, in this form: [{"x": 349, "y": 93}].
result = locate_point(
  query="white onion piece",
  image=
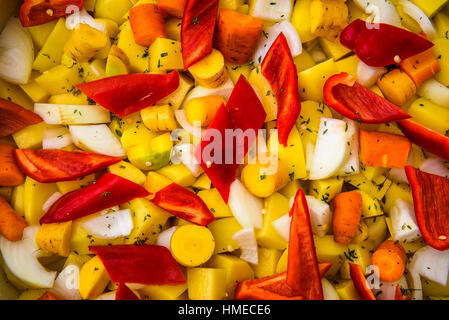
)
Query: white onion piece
[
  {"x": 318, "y": 55},
  {"x": 56, "y": 138},
  {"x": 403, "y": 222},
  {"x": 432, "y": 264},
  {"x": 72, "y": 21},
  {"x": 282, "y": 226},
  {"x": 164, "y": 237},
  {"x": 245, "y": 207},
  {"x": 420, "y": 17},
  {"x": 110, "y": 225},
  {"x": 380, "y": 11},
  {"x": 398, "y": 175},
  {"x": 270, "y": 35},
  {"x": 185, "y": 154},
  {"x": 329, "y": 292},
  {"x": 435, "y": 166},
  {"x": 415, "y": 283},
  {"x": 51, "y": 200},
  {"x": 67, "y": 284},
  {"x": 180, "y": 116},
  {"x": 435, "y": 92},
  {"x": 246, "y": 240},
  {"x": 387, "y": 290},
  {"x": 367, "y": 76},
  {"x": 320, "y": 216}
]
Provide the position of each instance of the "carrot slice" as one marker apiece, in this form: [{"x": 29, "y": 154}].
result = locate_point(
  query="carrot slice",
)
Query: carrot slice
[
  {"x": 11, "y": 224},
  {"x": 10, "y": 174},
  {"x": 390, "y": 264},
  {"x": 235, "y": 45},
  {"x": 346, "y": 218},
  {"x": 172, "y": 7},
  {"x": 394, "y": 246},
  {"x": 147, "y": 23},
  {"x": 14, "y": 118},
  {"x": 421, "y": 67},
  {"x": 382, "y": 149}
]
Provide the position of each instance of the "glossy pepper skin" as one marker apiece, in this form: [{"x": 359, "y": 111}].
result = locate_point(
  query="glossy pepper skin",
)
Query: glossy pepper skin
[
  {"x": 377, "y": 45},
  {"x": 14, "y": 117},
  {"x": 352, "y": 100},
  {"x": 108, "y": 191},
  {"x": 125, "y": 293},
  {"x": 197, "y": 30},
  {"x": 143, "y": 264},
  {"x": 426, "y": 138},
  {"x": 280, "y": 71},
  {"x": 303, "y": 274},
  {"x": 360, "y": 283},
  {"x": 272, "y": 287},
  {"x": 126, "y": 94},
  {"x": 184, "y": 204},
  {"x": 36, "y": 12},
  {"x": 431, "y": 201},
  {"x": 58, "y": 165},
  {"x": 242, "y": 114}
]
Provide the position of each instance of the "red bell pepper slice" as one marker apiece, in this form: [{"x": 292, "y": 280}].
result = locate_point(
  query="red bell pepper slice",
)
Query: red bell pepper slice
[
  {"x": 398, "y": 294},
  {"x": 14, "y": 118},
  {"x": 126, "y": 94},
  {"x": 303, "y": 274},
  {"x": 360, "y": 284},
  {"x": 184, "y": 204},
  {"x": 125, "y": 293},
  {"x": 35, "y": 12},
  {"x": 426, "y": 138},
  {"x": 377, "y": 45},
  {"x": 431, "y": 201},
  {"x": 108, "y": 191},
  {"x": 352, "y": 100},
  {"x": 197, "y": 30},
  {"x": 58, "y": 165},
  {"x": 143, "y": 264},
  {"x": 272, "y": 287},
  {"x": 244, "y": 114},
  {"x": 280, "y": 71}
]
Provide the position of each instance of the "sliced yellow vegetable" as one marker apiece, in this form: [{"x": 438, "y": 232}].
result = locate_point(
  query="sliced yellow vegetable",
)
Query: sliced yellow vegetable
[
  {"x": 223, "y": 229},
  {"x": 163, "y": 292},
  {"x": 67, "y": 186},
  {"x": 93, "y": 279},
  {"x": 215, "y": 202},
  {"x": 268, "y": 260},
  {"x": 155, "y": 182},
  {"x": 165, "y": 55},
  {"x": 55, "y": 237},
  {"x": 35, "y": 195},
  {"x": 179, "y": 174},
  {"x": 210, "y": 71},
  {"x": 201, "y": 111},
  {"x": 206, "y": 283},
  {"x": 159, "y": 118}
]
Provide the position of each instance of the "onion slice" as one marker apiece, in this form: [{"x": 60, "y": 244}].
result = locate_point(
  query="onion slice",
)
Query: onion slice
[{"x": 420, "y": 17}]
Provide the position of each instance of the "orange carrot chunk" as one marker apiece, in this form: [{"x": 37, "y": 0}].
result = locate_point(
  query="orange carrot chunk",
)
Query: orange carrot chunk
[
  {"x": 390, "y": 264},
  {"x": 346, "y": 218},
  {"x": 382, "y": 149},
  {"x": 11, "y": 224},
  {"x": 421, "y": 67},
  {"x": 10, "y": 174},
  {"x": 394, "y": 246},
  {"x": 237, "y": 35},
  {"x": 147, "y": 23},
  {"x": 172, "y": 7}
]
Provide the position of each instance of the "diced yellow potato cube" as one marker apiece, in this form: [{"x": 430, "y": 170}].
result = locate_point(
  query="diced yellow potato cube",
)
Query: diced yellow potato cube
[
  {"x": 76, "y": 259},
  {"x": 370, "y": 207},
  {"x": 326, "y": 189},
  {"x": 275, "y": 206},
  {"x": 155, "y": 182},
  {"x": 327, "y": 250},
  {"x": 206, "y": 283},
  {"x": 115, "y": 66},
  {"x": 215, "y": 202},
  {"x": 291, "y": 188},
  {"x": 236, "y": 270},
  {"x": 14, "y": 93},
  {"x": 148, "y": 220},
  {"x": 355, "y": 12},
  {"x": 375, "y": 188},
  {"x": 74, "y": 98},
  {"x": 301, "y": 20},
  {"x": 165, "y": 54},
  {"x": 395, "y": 192},
  {"x": 59, "y": 80},
  {"x": 430, "y": 8},
  {"x": 441, "y": 21},
  {"x": 134, "y": 133},
  {"x": 333, "y": 50},
  {"x": 173, "y": 29},
  {"x": 282, "y": 263},
  {"x": 179, "y": 174},
  {"x": 128, "y": 171},
  {"x": 68, "y": 186},
  {"x": 411, "y": 247},
  {"x": 441, "y": 50},
  {"x": 430, "y": 115},
  {"x": 268, "y": 261},
  {"x": 162, "y": 292},
  {"x": 348, "y": 65},
  {"x": 202, "y": 183},
  {"x": 35, "y": 195},
  {"x": 347, "y": 291},
  {"x": 235, "y": 71},
  {"x": 55, "y": 237},
  {"x": 35, "y": 91},
  {"x": 328, "y": 18},
  {"x": 112, "y": 9},
  {"x": 138, "y": 55},
  {"x": 356, "y": 253},
  {"x": 223, "y": 229},
  {"x": 51, "y": 52},
  {"x": 17, "y": 199},
  {"x": 373, "y": 172},
  {"x": 311, "y": 81},
  {"x": 31, "y": 136},
  {"x": 93, "y": 279},
  {"x": 303, "y": 61}
]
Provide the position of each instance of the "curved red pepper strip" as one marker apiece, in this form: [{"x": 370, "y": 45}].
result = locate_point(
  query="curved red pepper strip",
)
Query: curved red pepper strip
[
  {"x": 431, "y": 202},
  {"x": 360, "y": 284},
  {"x": 59, "y": 165},
  {"x": 126, "y": 94},
  {"x": 14, "y": 118},
  {"x": 303, "y": 274},
  {"x": 197, "y": 30},
  {"x": 354, "y": 101},
  {"x": 398, "y": 294},
  {"x": 184, "y": 204},
  {"x": 35, "y": 12},
  {"x": 280, "y": 71},
  {"x": 108, "y": 191},
  {"x": 377, "y": 45},
  {"x": 125, "y": 293},
  {"x": 272, "y": 287},
  {"x": 426, "y": 138},
  {"x": 243, "y": 115},
  {"x": 143, "y": 264}
]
